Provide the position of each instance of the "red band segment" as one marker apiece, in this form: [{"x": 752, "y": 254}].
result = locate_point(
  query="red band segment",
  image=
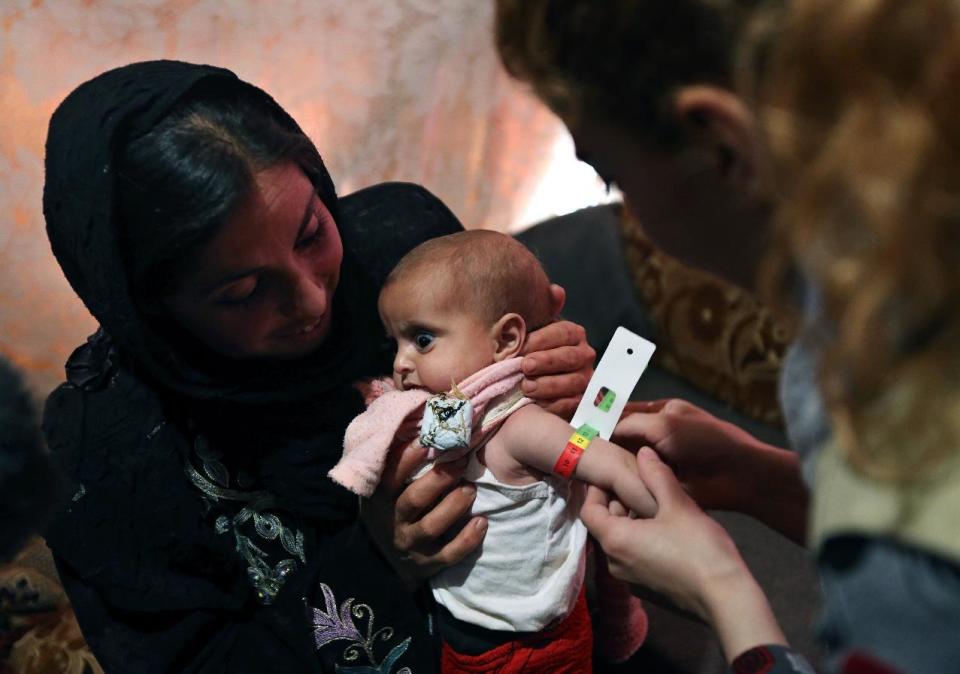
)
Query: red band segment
[{"x": 568, "y": 460}]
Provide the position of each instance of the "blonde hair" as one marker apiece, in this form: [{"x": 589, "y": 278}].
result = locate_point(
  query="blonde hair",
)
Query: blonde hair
[
  {"x": 861, "y": 105},
  {"x": 484, "y": 272}
]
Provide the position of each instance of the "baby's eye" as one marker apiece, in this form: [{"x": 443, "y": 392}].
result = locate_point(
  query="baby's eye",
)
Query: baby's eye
[{"x": 423, "y": 340}]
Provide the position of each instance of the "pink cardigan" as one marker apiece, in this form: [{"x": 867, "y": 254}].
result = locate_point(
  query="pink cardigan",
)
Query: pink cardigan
[{"x": 370, "y": 435}]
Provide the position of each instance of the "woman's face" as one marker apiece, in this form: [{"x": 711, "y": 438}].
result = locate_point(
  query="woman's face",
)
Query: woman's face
[
  {"x": 682, "y": 200},
  {"x": 263, "y": 287}
]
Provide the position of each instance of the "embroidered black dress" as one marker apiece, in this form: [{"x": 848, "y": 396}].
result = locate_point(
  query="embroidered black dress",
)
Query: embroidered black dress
[{"x": 203, "y": 534}]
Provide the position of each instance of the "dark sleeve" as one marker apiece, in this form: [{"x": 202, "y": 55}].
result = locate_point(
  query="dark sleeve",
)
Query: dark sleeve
[
  {"x": 888, "y": 604},
  {"x": 227, "y": 638},
  {"x": 155, "y": 589},
  {"x": 887, "y": 607},
  {"x": 770, "y": 660},
  {"x": 29, "y": 486}
]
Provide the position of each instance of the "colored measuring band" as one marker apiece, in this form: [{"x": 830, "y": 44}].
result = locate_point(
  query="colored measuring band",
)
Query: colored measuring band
[
  {"x": 570, "y": 456},
  {"x": 588, "y": 431},
  {"x": 567, "y": 462}
]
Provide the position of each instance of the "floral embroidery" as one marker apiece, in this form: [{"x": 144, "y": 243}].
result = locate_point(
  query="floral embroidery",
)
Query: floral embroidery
[
  {"x": 214, "y": 482},
  {"x": 335, "y": 624}
]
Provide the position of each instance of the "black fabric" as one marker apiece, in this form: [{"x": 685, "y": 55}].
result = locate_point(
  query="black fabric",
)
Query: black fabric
[
  {"x": 469, "y": 639},
  {"x": 156, "y": 588},
  {"x": 29, "y": 486}
]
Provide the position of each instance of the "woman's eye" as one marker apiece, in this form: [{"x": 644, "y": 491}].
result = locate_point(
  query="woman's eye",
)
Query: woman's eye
[
  {"x": 423, "y": 340},
  {"x": 312, "y": 236},
  {"x": 238, "y": 294}
]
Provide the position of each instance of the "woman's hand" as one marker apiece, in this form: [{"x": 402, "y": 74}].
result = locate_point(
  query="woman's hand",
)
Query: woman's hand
[
  {"x": 683, "y": 555},
  {"x": 412, "y": 522},
  {"x": 558, "y": 363},
  {"x": 722, "y": 466}
]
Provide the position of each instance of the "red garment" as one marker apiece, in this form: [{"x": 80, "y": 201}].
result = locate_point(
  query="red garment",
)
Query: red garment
[
  {"x": 620, "y": 621},
  {"x": 564, "y": 649}
]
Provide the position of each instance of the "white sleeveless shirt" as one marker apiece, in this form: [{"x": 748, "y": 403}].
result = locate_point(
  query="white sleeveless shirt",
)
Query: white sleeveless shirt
[{"x": 529, "y": 569}]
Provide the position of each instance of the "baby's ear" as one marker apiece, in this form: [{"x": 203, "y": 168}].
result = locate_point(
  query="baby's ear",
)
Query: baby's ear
[{"x": 509, "y": 335}]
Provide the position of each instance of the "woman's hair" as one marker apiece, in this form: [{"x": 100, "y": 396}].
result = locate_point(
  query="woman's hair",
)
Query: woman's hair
[
  {"x": 861, "y": 106},
  {"x": 622, "y": 60},
  {"x": 178, "y": 183},
  {"x": 486, "y": 273}
]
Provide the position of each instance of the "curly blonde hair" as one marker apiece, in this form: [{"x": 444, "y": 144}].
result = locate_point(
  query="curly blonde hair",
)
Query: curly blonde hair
[{"x": 861, "y": 106}]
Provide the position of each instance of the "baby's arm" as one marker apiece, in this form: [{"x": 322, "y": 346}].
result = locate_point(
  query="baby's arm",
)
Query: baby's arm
[{"x": 536, "y": 438}]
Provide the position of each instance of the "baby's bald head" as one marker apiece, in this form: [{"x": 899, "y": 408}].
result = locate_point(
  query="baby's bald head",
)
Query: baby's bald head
[{"x": 479, "y": 271}]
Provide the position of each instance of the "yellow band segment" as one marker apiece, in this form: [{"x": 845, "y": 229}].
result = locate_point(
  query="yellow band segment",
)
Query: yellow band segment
[{"x": 579, "y": 440}]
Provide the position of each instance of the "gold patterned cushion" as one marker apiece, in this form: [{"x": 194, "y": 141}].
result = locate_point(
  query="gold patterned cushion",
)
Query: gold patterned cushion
[
  {"x": 709, "y": 332},
  {"x": 39, "y": 633}
]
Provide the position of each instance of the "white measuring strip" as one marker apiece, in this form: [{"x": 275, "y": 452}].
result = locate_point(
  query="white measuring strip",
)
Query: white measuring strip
[{"x": 626, "y": 357}]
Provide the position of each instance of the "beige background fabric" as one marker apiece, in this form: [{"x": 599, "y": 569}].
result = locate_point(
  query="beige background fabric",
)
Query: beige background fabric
[{"x": 388, "y": 89}]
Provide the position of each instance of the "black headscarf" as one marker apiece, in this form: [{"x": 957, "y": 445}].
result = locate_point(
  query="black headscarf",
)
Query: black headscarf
[
  {"x": 79, "y": 203},
  {"x": 247, "y": 404}
]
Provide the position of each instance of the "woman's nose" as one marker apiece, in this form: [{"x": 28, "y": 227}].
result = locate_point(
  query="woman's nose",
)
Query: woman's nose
[{"x": 307, "y": 298}]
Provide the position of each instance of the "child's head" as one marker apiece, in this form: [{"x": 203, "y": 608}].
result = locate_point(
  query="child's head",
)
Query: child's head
[{"x": 458, "y": 303}]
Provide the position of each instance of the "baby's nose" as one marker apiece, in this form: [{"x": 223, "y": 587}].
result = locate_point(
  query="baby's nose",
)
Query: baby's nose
[{"x": 402, "y": 364}]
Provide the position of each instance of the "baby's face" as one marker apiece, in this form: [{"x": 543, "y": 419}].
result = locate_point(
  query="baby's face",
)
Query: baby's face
[{"x": 434, "y": 345}]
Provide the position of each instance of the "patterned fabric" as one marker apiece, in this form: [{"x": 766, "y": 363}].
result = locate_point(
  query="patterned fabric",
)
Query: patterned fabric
[
  {"x": 254, "y": 516},
  {"x": 710, "y": 332},
  {"x": 38, "y": 629},
  {"x": 337, "y": 624},
  {"x": 447, "y": 423}
]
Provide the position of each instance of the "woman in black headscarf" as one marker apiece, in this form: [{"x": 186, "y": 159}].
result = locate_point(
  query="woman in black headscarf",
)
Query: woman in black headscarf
[{"x": 236, "y": 296}]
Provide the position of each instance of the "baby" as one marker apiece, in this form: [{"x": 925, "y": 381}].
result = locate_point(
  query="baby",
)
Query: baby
[{"x": 460, "y": 308}]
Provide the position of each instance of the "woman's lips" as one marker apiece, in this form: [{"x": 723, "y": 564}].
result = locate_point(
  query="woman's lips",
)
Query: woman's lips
[{"x": 305, "y": 330}]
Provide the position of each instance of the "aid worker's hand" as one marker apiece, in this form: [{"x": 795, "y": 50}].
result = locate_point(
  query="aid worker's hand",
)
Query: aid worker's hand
[
  {"x": 558, "y": 363},
  {"x": 412, "y": 523},
  {"x": 721, "y": 466},
  {"x": 683, "y": 555}
]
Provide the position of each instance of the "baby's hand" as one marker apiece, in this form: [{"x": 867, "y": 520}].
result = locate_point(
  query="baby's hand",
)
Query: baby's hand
[
  {"x": 371, "y": 389},
  {"x": 632, "y": 495}
]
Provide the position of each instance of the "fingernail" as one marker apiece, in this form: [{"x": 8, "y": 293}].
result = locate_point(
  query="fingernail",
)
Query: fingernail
[
  {"x": 529, "y": 365},
  {"x": 480, "y": 524},
  {"x": 647, "y": 453},
  {"x": 528, "y": 386},
  {"x": 468, "y": 489}
]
